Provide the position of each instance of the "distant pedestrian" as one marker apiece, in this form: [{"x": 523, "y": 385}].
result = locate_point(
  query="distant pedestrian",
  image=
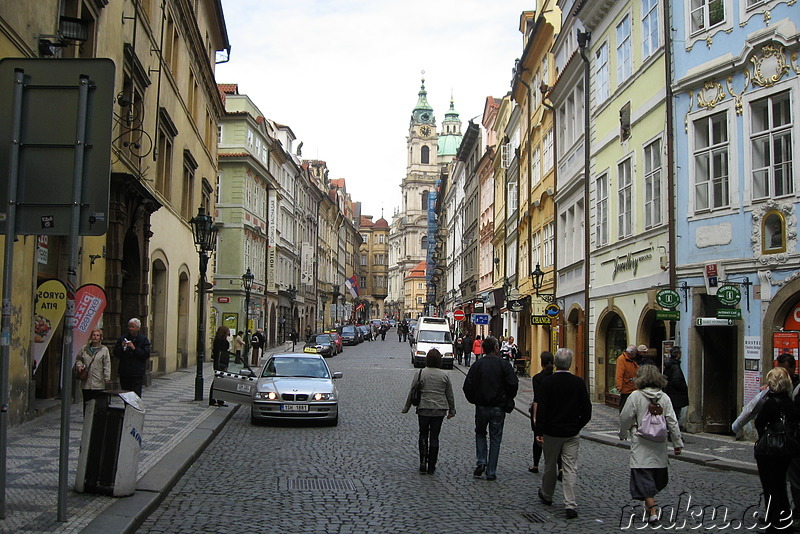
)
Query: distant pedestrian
[
  {"x": 643, "y": 356},
  {"x": 308, "y": 332},
  {"x": 436, "y": 402},
  {"x": 384, "y": 328},
  {"x": 258, "y": 343},
  {"x": 95, "y": 358},
  {"x": 133, "y": 351},
  {"x": 676, "y": 387},
  {"x": 491, "y": 386},
  {"x": 546, "y": 360},
  {"x": 563, "y": 408},
  {"x": 238, "y": 343},
  {"x": 458, "y": 348},
  {"x": 649, "y": 460},
  {"x": 772, "y": 470},
  {"x": 220, "y": 357},
  {"x": 477, "y": 347},
  {"x": 467, "y": 348},
  {"x": 626, "y": 374}
]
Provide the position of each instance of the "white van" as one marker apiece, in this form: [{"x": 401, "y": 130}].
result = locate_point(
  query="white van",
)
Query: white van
[{"x": 432, "y": 333}]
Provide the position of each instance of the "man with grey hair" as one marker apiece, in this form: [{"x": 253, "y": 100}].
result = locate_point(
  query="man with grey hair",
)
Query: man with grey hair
[
  {"x": 627, "y": 365},
  {"x": 133, "y": 351},
  {"x": 563, "y": 409}
]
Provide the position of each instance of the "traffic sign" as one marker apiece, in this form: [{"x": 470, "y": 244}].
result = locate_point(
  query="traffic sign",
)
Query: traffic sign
[
  {"x": 480, "y": 318},
  {"x": 459, "y": 315}
]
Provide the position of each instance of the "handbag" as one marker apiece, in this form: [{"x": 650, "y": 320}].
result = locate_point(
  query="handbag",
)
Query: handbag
[
  {"x": 416, "y": 390},
  {"x": 83, "y": 374},
  {"x": 779, "y": 440}
]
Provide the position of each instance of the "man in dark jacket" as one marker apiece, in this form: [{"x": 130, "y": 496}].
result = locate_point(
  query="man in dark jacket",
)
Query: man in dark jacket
[
  {"x": 491, "y": 385},
  {"x": 133, "y": 351},
  {"x": 676, "y": 387},
  {"x": 466, "y": 346},
  {"x": 562, "y": 409}
]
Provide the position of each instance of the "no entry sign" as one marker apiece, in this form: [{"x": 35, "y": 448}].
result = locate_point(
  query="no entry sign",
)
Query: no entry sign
[{"x": 458, "y": 315}]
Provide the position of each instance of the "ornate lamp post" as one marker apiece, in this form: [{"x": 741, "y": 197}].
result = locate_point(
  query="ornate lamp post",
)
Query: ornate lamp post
[
  {"x": 538, "y": 278},
  {"x": 247, "y": 283},
  {"x": 292, "y": 296},
  {"x": 205, "y": 241}
]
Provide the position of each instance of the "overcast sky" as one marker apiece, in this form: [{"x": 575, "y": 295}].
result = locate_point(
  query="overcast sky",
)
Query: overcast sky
[{"x": 344, "y": 74}]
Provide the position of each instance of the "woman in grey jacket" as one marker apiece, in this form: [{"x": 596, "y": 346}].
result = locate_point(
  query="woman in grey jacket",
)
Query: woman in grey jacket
[
  {"x": 436, "y": 402},
  {"x": 96, "y": 358}
]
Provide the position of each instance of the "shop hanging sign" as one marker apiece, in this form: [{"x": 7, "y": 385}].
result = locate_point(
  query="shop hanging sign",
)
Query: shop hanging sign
[
  {"x": 516, "y": 305},
  {"x": 712, "y": 321},
  {"x": 668, "y": 315},
  {"x": 540, "y": 320},
  {"x": 51, "y": 303},
  {"x": 552, "y": 310},
  {"x": 729, "y": 296},
  {"x": 729, "y": 313},
  {"x": 668, "y": 299}
]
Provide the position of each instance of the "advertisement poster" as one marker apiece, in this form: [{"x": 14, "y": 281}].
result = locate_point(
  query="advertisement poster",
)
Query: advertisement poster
[
  {"x": 90, "y": 301},
  {"x": 51, "y": 303},
  {"x": 785, "y": 342},
  {"x": 752, "y": 369}
]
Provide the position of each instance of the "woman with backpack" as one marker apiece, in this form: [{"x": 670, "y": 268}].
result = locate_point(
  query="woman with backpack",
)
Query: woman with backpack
[{"x": 646, "y": 418}]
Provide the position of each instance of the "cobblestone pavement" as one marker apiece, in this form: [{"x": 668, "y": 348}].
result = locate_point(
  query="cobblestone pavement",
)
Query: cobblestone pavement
[{"x": 361, "y": 477}]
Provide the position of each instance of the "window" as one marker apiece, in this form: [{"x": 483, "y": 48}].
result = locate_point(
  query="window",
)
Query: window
[
  {"x": 378, "y": 259},
  {"x": 420, "y": 285},
  {"x": 771, "y": 146},
  {"x": 425, "y": 154},
  {"x": 601, "y": 229},
  {"x": 548, "y": 150},
  {"x": 513, "y": 196},
  {"x": 250, "y": 138},
  {"x": 624, "y": 49},
  {"x": 423, "y": 199},
  {"x": 536, "y": 173},
  {"x": 773, "y": 233},
  {"x": 364, "y": 239},
  {"x": 624, "y": 199},
  {"x": 706, "y": 13},
  {"x": 711, "y": 188},
  {"x": 536, "y": 248},
  {"x": 363, "y": 282},
  {"x": 547, "y": 244},
  {"x": 603, "y": 89},
  {"x": 381, "y": 238},
  {"x": 164, "y": 176},
  {"x": 419, "y": 300},
  {"x": 652, "y": 185},
  {"x": 649, "y": 27},
  {"x": 192, "y": 103},
  {"x": 187, "y": 194}
]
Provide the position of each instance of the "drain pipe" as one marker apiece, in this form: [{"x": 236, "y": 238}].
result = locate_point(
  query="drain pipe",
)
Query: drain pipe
[{"x": 583, "y": 42}]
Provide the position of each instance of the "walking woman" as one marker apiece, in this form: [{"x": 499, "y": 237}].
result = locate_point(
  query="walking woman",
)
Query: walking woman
[
  {"x": 649, "y": 460},
  {"x": 95, "y": 358},
  {"x": 772, "y": 470},
  {"x": 220, "y": 358},
  {"x": 436, "y": 402},
  {"x": 477, "y": 347}
]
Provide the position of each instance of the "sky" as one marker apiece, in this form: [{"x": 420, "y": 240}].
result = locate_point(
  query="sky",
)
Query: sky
[{"x": 345, "y": 74}]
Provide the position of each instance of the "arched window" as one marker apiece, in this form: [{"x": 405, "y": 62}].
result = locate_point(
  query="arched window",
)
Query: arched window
[
  {"x": 773, "y": 233},
  {"x": 424, "y": 242},
  {"x": 425, "y": 154},
  {"x": 424, "y": 200}
]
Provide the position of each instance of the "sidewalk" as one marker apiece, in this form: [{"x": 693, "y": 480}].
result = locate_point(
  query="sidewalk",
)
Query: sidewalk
[
  {"x": 711, "y": 450},
  {"x": 176, "y": 431}
]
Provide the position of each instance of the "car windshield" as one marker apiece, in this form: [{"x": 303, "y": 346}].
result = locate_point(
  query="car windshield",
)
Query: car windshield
[
  {"x": 434, "y": 336},
  {"x": 322, "y": 338},
  {"x": 348, "y": 330},
  {"x": 297, "y": 367}
]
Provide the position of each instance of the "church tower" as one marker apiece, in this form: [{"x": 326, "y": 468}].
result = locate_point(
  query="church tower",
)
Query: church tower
[{"x": 450, "y": 138}]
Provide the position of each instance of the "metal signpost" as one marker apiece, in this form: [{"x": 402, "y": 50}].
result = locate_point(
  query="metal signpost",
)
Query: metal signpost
[{"x": 56, "y": 117}]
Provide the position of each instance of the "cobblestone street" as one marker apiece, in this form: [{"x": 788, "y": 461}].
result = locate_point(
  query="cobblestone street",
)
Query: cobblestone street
[{"x": 362, "y": 475}]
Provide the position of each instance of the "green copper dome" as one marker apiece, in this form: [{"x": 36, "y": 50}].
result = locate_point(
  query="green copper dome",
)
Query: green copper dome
[
  {"x": 450, "y": 135},
  {"x": 423, "y": 113}
]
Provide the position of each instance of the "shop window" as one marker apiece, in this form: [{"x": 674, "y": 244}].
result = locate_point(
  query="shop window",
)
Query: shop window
[
  {"x": 616, "y": 343},
  {"x": 773, "y": 233}
]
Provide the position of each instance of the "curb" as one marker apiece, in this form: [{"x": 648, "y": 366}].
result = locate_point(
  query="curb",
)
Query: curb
[{"x": 128, "y": 513}]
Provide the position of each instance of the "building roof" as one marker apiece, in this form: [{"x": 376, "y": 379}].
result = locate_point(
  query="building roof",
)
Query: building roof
[
  {"x": 366, "y": 222},
  {"x": 381, "y": 223},
  {"x": 418, "y": 271}
]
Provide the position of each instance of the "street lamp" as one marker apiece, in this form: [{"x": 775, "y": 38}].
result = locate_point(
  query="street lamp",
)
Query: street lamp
[
  {"x": 205, "y": 241},
  {"x": 538, "y": 278},
  {"x": 292, "y": 296},
  {"x": 247, "y": 283}
]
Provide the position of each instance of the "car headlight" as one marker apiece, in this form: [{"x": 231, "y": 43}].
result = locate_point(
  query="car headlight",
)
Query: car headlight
[
  {"x": 266, "y": 395},
  {"x": 323, "y": 397}
]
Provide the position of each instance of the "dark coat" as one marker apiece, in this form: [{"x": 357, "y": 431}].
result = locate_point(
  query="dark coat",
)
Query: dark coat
[
  {"x": 133, "y": 362},
  {"x": 490, "y": 382},
  {"x": 219, "y": 354},
  {"x": 676, "y": 387}
]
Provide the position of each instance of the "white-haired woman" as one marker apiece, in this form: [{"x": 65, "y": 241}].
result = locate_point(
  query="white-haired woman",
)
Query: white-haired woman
[{"x": 649, "y": 460}]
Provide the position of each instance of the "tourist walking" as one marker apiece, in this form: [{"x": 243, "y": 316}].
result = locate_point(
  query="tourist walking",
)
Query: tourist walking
[
  {"x": 436, "y": 403},
  {"x": 648, "y": 458},
  {"x": 676, "y": 387},
  {"x": 627, "y": 365},
  {"x": 546, "y": 360},
  {"x": 467, "y": 348},
  {"x": 477, "y": 347},
  {"x": 563, "y": 408},
  {"x": 491, "y": 386}
]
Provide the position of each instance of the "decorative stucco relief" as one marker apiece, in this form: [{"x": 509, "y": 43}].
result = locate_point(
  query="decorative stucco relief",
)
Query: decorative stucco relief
[
  {"x": 737, "y": 98},
  {"x": 711, "y": 95},
  {"x": 787, "y": 210},
  {"x": 767, "y": 283},
  {"x": 769, "y": 66},
  {"x": 713, "y": 235}
]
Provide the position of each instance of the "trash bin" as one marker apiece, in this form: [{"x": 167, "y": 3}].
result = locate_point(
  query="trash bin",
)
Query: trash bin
[{"x": 110, "y": 444}]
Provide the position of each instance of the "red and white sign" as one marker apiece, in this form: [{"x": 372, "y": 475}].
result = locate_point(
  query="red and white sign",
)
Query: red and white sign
[
  {"x": 223, "y": 300},
  {"x": 458, "y": 315}
]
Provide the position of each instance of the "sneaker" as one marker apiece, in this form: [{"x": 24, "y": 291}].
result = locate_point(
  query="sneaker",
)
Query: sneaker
[
  {"x": 571, "y": 513},
  {"x": 479, "y": 469},
  {"x": 542, "y": 498},
  {"x": 655, "y": 513}
]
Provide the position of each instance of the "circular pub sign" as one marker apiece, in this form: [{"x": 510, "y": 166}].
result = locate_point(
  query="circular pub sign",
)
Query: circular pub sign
[
  {"x": 668, "y": 298},
  {"x": 729, "y": 295}
]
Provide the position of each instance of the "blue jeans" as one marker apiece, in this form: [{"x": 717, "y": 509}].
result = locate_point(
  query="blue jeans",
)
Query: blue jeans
[{"x": 493, "y": 417}]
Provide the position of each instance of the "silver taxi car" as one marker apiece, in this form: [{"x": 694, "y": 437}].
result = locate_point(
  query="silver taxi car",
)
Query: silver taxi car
[{"x": 295, "y": 386}]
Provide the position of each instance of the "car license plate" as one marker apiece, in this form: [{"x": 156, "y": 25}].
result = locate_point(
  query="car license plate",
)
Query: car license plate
[
  {"x": 294, "y": 407},
  {"x": 243, "y": 388}
]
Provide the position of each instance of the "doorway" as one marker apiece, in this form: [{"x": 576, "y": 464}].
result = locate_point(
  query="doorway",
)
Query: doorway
[{"x": 720, "y": 354}]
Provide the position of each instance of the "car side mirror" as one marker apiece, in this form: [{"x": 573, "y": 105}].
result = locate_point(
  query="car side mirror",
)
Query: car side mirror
[
  {"x": 247, "y": 372},
  {"x": 337, "y": 375}
]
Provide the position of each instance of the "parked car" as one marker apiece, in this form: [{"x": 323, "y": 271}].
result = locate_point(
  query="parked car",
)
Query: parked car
[
  {"x": 337, "y": 340},
  {"x": 297, "y": 386},
  {"x": 351, "y": 335},
  {"x": 323, "y": 344},
  {"x": 366, "y": 332}
]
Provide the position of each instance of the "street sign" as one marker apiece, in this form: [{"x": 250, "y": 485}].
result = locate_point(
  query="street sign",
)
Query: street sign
[
  {"x": 459, "y": 315},
  {"x": 728, "y": 313},
  {"x": 540, "y": 319},
  {"x": 668, "y": 298},
  {"x": 223, "y": 300},
  {"x": 729, "y": 295},
  {"x": 668, "y": 315},
  {"x": 480, "y": 318},
  {"x": 712, "y": 321}
]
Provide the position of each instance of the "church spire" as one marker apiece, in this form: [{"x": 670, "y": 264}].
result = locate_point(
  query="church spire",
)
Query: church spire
[{"x": 423, "y": 113}]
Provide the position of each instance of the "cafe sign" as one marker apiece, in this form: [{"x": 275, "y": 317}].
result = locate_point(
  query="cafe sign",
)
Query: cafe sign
[
  {"x": 668, "y": 299},
  {"x": 729, "y": 296}
]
